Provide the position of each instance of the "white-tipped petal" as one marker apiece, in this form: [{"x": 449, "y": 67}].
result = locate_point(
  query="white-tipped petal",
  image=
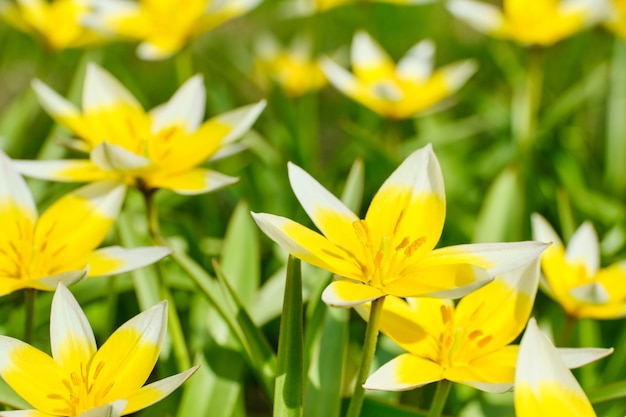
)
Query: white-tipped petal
[
  {"x": 13, "y": 188},
  {"x": 53, "y": 103},
  {"x": 366, "y": 53},
  {"x": 71, "y": 337},
  {"x": 583, "y": 247},
  {"x": 103, "y": 90},
  {"x": 185, "y": 108},
  {"x": 152, "y": 52},
  {"x": 150, "y": 324},
  {"x": 593, "y": 293},
  {"x": 23, "y": 413},
  {"x": 457, "y": 74},
  {"x": 481, "y": 278},
  {"x": 116, "y": 260},
  {"x": 576, "y": 357},
  {"x": 481, "y": 16},
  {"x": 114, "y": 409},
  {"x": 492, "y": 388},
  {"x": 524, "y": 278},
  {"x": 403, "y": 373},
  {"x": 110, "y": 157},
  {"x": 67, "y": 278},
  {"x": 344, "y": 293},
  {"x": 196, "y": 181},
  {"x": 107, "y": 196},
  {"x": 158, "y": 390},
  {"x": 66, "y": 170},
  {"x": 543, "y": 231},
  {"x": 417, "y": 63},
  {"x": 240, "y": 120},
  {"x": 338, "y": 76}
]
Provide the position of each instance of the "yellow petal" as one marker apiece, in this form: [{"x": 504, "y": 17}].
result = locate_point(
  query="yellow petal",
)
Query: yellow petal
[
  {"x": 194, "y": 181},
  {"x": 493, "y": 372},
  {"x": 156, "y": 391},
  {"x": 349, "y": 293},
  {"x": 403, "y": 373}
]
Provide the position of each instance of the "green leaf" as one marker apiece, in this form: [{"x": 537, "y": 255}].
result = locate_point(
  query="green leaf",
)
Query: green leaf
[
  {"x": 289, "y": 366},
  {"x": 352, "y": 194},
  {"x": 608, "y": 392},
  {"x": 615, "y": 169}
]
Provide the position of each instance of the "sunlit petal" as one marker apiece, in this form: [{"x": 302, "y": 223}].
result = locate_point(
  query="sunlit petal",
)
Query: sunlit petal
[
  {"x": 577, "y": 357},
  {"x": 110, "y": 157},
  {"x": 404, "y": 373},
  {"x": 417, "y": 63},
  {"x": 348, "y": 293},
  {"x": 14, "y": 192},
  {"x": 185, "y": 109},
  {"x": 114, "y": 409},
  {"x": 156, "y": 391},
  {"x": 67, "y": 170},
  {"x": 491, "y": 372},
  {"x": 102, "y": 90},
  {"x": 195, "y": 181},
  {"x": 369, "y": 61},
  {"x": 481, "y": 16},
  {"x": 583, "y": 247},
  {"x": 116, "y": 260}
]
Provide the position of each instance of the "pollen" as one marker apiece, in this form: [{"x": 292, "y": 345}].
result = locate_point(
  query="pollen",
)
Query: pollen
[
  {"x": 414, "y": 246},
  {"x": 483, "y": 342},
  {"x": 475, "y": 334}
]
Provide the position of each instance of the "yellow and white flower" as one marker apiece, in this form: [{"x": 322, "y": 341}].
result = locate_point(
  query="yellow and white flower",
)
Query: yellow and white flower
[
  {"x": 544, "y": 386},
  {"x": 538, "y": 22},
  {"x": 58, "y": 23},
  {"x": 82, "y": 380},
  {"x": 391, "y": 251},
  {"x": 60, "y": 245},
  {"x": 161, "y": 148},
  {"x": 573, "y": 276},
  {"x": 396, "y": 91},
  {"x": 163, "y": 27}
]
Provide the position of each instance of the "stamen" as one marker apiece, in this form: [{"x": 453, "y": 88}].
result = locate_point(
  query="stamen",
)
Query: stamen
[
  {"x": 476, "y": 333},
  {"x": 446, "y": 314},
  {"x": 98, "y": 369},
  {"x": 414, "y": 246},
  {"x": 362, "y": 232},
  {"x": 106, "y": 391},
  {"x": 74, "y": 398},
  {"x": 378, "y": 260},
  {"x": 403, "y": 244},
  {"x": 75, "y": 379},
  {"x": 484, "y": 341},
  {"x": 397, "y": 225},
  {"x": 55, "y": 396}
]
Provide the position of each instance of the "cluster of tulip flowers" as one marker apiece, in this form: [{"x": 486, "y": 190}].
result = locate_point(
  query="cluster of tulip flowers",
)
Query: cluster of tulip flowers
[{"x": 386, "y": 265}]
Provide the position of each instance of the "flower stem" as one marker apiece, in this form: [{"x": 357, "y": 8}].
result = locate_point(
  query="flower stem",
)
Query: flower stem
[
  {"x": 181, "y": 352},
  {"x": 441, "y": 395},
  {"x": 566, "y": 331},
  {"x": 369, "y": 347},
  {"x": 29, "y": 321},
  {"x": 527, "y": 102}
]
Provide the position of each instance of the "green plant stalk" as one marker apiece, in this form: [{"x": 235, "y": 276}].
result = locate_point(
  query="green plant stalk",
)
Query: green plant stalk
[
  {"x": 526, "y": 102},
  {"x": 184, "y": 64},
  {"x": 441, "y": 395},
  {"x": 29, "y": 319},
  {"x": 289, "y": 386},
  {"x": 181, "y": 351},
  {"x": 369, "y": 347},
  {"x": 615, "y": 169}
]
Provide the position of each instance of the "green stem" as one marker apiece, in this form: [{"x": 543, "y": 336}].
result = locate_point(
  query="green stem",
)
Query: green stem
[
  {"x": 441, "y": 395},
  {"x": 29, "y": 305},
  {"x": 615, "y": 169},
  {"x": 369, "y": 347},
  {"x": 184, "y": 64},
  {"x": 527, "y": 102},
  {"x": 566, "y": 331},
  {"x": 181, "y": 352}
]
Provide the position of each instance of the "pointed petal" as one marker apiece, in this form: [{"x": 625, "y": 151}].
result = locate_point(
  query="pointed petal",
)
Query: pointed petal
[
  {"x": 592, "y": 293},
  {"x": 153, "y": 51},
  {"x": 456, "y": 75},
  {"x": 417, "y": 63},
  {"x": 23, "y": 413},
  {"x": 239, "y": 120},
  {"x": 308, "y": 245},
  {"x": 185, "y": 109},
  {"x": 410, "y": 204},
  {"x": 576, "y": 357},
  {"x": 543, "y": 384},
  {"x": 156, "y": 391},
  {"x": 349, "y": 294},
  {"x": 116, "y": 260},
  {"x": 71, "y": 338},
  {"x": 94, "y": 207},
  {"x": 55, "y": 105},
  {"x": 369, "y": 61},
  {"x": 496, "y": 258},
  {"x": 342, "y": 79},
  {"x": 114, "y": 409},
  {"x": 102, "y": 90},
  {"x": 50, "y": 282},
  {"x": 543, "y": 232},
  {"x": 21, "y": 367},
  {"x": 403, "y": 373},
  {"x": 584, "y": 248},
  {"x": 192, "y": 182},
  {"x": 492, "y": 372},
  {"x": 328, "y": 213},
  {"x": 481, "y": 16},
  {"x": 13, "y": 189},
  {"x": 69, "y": 170},
  {"x": 124, "y": 362},
  {"x": 109, "y": 157}
]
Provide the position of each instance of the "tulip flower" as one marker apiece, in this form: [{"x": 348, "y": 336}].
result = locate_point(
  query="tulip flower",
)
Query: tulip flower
[
  {"x": 60, "y": 245},
  {"x": 149, "y": 150},
  {"x": 82, "y": 380},
  {"x": 164, "y": 27},
  {"x": 292, "y": 68},
  {"x": 396, "y": 91},
  {"x": 530, "y": 22},
  {"x": 58, "y": 23},
  {"x": 392, "y": 250},
  {"x": 573, "y": 277},
  {"x": 544, "y": 385}
]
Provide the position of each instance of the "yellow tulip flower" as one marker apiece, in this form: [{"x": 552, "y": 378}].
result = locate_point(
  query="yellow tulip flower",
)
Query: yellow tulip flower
[
  {"x": 82, "y": 380},
  {"x": 616, "y": 18},
  {"x": 149, "y": 150},
  {"x": 573, "y": 277},
  {"x": 392, "y": 250},
  {"x": 60, "y": 245},
  {"x": 163, "y": 27},
  {"x": 538, "y": 22},
  {"x": 58, "y": 22},
  {"x": 293, "y": 68},
  {"x": 544, "y": 386},
  {"x": 396, "y": 91}
]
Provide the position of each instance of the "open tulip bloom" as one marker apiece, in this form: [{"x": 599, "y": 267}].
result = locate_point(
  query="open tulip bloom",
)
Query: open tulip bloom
[
  {"x": 573, "y": 276},
  {"x": 396, "y": 91},
  {"x": 539, "y": 22},
  {"x": 60, "y": 245},
  {"x": 163, "y": 27},
  {"x": 82, "y": 380},
  {"x": 469, "y": 343},
  {"x": 58, "y": 22},
  {"x": 150, "y": 150},
  {"x": 544, "y": 386},
  {"x": 391, "y": 251}
]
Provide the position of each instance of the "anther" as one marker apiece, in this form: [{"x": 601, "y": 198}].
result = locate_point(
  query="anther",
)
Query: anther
[
  {"x": 446, "y": 314},
  {"x": 414, "y": 246},
  {"x": 98, "y": 369},
  {"x": 403, "y": 244},
  {"x": 397, "y": 226},
  {"x": 55, "y": 396},
  {"x": 378, "y": 260},
  {"x": 106, "y": 391},
  {"x": 476, "y": 333},
  {"x": 484, "y": 341},
  {"x": 75, "y": 379},
  {"x": 362, "y": 232}
]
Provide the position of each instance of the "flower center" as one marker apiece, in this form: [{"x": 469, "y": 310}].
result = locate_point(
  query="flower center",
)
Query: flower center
[{"x": 80, "y": 395}]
